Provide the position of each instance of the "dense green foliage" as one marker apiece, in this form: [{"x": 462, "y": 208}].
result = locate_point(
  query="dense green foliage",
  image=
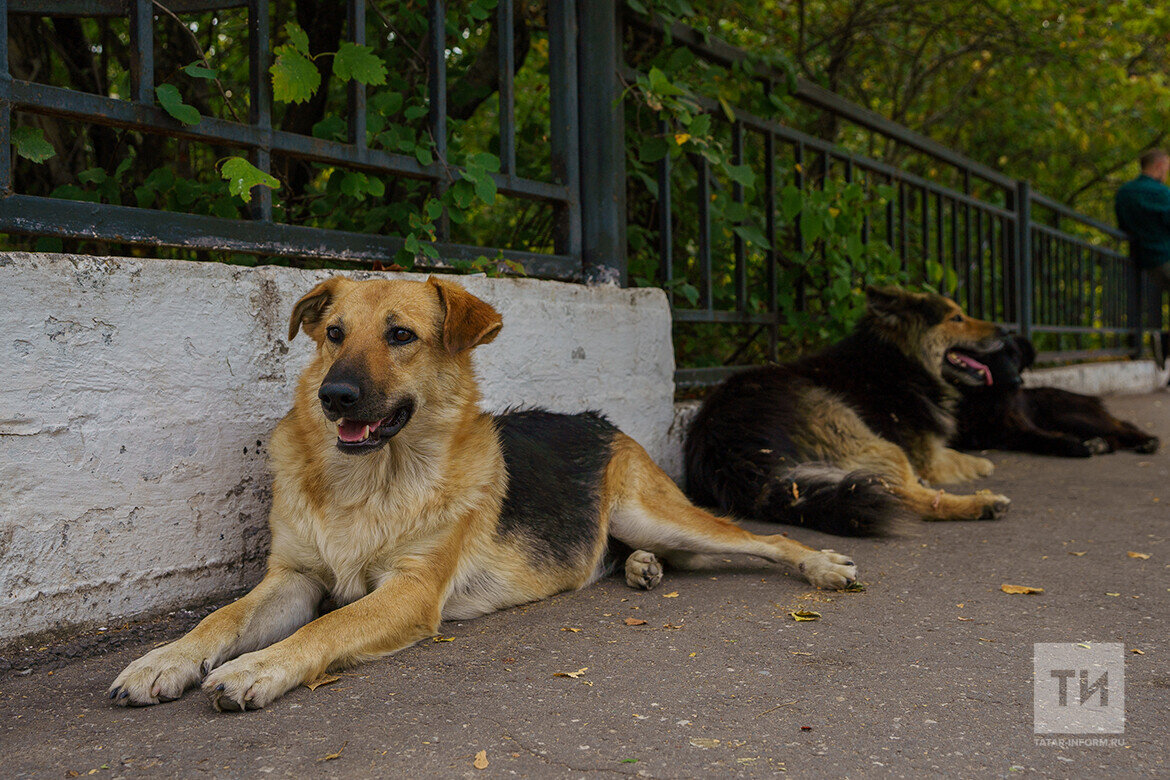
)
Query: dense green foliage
[{"x": 1064, "y": 96}]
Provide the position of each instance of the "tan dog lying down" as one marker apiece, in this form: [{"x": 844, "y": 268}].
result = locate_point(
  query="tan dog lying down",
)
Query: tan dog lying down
[{"x": 395, "y": 495}]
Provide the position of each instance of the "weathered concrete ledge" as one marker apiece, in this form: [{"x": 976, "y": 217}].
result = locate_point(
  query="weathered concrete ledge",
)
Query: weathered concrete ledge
[{"x": 138, "y": 396}]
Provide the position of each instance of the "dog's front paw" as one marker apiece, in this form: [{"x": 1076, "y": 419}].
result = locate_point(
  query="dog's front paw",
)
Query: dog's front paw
[
  {"x": 250, "y": 682},
  {"x": 161, "y": 675},
  {"x": 979, "y": 467},
  {"x": 1097, "y": 446},
  {"x": 643, "y": 570},
  {"x": 829, "y": 569},
  {"x": 1148, "y": 446},
  {"x": 994, "y": 506}
]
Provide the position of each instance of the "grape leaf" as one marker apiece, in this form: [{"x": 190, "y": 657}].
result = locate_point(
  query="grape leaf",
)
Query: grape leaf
[
  {"x": 30, "y": 144},
  {"x": 359, "y": 63},
  {"x": 172, "y": 102},
  {"x": 242, "y": 176}
]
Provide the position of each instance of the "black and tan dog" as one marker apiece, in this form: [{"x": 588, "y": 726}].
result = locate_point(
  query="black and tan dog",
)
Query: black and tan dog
[
  {"x": 843, "y": 440},
  {"x": 399, "y": 499},
  {"x": 1003, "y": 414}
]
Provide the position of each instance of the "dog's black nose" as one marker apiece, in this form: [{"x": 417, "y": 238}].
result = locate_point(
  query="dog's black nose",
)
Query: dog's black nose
[{"x": 337, "y": 397}]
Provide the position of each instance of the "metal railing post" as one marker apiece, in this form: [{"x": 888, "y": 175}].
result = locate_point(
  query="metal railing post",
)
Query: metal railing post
[
  {"x": 602, "y": 140},
  {"x": 1023, "y": 264},
  {"x": 1136, "y": 308}
]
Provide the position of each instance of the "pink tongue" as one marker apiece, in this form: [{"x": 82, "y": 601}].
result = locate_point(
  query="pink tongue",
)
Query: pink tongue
[
  {"x": 983, "y": 370},
  {"x": 354, "y": 430}
]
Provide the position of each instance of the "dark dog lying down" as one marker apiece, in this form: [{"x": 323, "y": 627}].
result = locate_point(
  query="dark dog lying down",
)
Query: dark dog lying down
[{"x": 1002, "y": 414}]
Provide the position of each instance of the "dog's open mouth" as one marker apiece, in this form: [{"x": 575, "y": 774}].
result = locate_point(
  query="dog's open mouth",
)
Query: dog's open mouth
[
  {"x": 368, "y": 435},
  {"x": 965, "y": 369}
]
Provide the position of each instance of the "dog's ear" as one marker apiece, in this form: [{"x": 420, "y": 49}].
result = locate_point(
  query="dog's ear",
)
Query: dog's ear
[
  {"x": 310, "y": 310},
  {"x": 467, "y": 321},
  {"x": 1027, "y": 351},
  {"x": 887, "y": 304}
]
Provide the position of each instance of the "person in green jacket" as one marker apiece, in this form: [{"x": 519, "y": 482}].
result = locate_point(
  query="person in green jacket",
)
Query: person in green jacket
[{"x": 1143, "y": 211}]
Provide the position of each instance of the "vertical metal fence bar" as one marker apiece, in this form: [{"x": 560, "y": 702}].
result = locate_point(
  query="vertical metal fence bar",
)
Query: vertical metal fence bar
[
  {"x": 902, "y": 242},
  {"x": 979, "y": 264},
  {"x": 566, "y": 160},
  {"x": 939, "y": 241},
  {"x": 798, "y": 181},
  {"x": 955, "y": 247},
  {"x": 924, "y": 213},
  {"x": 5, "y": 106},
  {"x": 703, "y": 194},
  {"x": 740, "y": 249},
  {"x": 437, "y": 95},
  {"x": 355, "y": 90},
  {"x": 1023, "y": 264},
  {"x": 142, "y": 51},
  {"x": 665, "y": 226},
  {"x": 890, "y": 214},
  {"x": 602, "y": 122},
  {"x": 507, "y": 68},
  {"x": 772, "y": 255},
  {"x": 260, "y": 101}
]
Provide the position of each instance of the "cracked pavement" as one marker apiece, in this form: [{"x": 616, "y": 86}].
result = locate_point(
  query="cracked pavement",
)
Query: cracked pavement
[{"x": 929, "y": 671}]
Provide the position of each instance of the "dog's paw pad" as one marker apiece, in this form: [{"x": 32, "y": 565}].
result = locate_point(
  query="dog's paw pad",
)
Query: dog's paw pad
[
  {"x": 1097, "y": 445},
  {"x": 829, "y": 569},
  {"x": 248, "y": 683},
  {"x": 996, "y": 507},
  {"x": 1147, "y": 447},
  {"x": 643, "y": 570}
]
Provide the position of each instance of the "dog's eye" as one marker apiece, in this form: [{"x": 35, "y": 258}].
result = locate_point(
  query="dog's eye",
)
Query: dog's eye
[
  {"x": 400, "y": 336},
  {"x": 334, "y": 334},
  {"x": 957, "y": 318}
]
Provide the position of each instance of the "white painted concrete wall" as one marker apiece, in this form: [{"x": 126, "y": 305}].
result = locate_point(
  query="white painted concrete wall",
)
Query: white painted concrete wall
[{"x": 137, "y": 397}]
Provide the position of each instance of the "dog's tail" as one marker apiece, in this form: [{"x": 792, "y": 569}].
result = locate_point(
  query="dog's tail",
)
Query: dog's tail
[{"x": 827, "y": 498}]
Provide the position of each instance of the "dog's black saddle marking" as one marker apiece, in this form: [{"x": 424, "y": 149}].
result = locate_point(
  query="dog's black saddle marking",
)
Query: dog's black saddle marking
[{"x": 556, "y": 464}]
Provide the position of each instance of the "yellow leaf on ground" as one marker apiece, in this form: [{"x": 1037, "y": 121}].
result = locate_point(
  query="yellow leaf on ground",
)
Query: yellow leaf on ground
[
  {"x": 324, "y": 679},
  {"x": 574, "y": 630},
  {"x": 333, "y": 756},
  {"x": 1078, "y": 554},
  {"x": 671, "y": 595},
  {"x": 481, "y": 761},
  {"x": 1019, "y": 589},
  {"x": 1143, "y": 556},
  {"x": 574, "y": 675},
  {"x": 702, "y": 742},
  {"x": 635, "y": 622},
  {"x": 1136, "y": 651},
  {"x": 444, "y": 639},
  {"x": 805, "y": 614}
]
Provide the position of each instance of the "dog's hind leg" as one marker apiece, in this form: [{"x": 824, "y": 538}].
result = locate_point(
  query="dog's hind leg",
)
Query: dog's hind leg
[
  {"x": 891, "y": 462},
  {"x": 648, "y": 512}
]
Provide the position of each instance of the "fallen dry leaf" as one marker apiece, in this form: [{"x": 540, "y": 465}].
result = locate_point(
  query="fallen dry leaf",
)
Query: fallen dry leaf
[
  {"x": 324, "y": 679},
  {"x": 1143, "y": 556},
  {"x": 481, "y": 761},
  {"x": 671, "y": 595},
  {"x": 332, "y": 756},
  {"x": 1019, "y": 589},
  {"x": 574, "y": 675},
  {"x": 797, "y": 652},
  {"x": 1136, "y": 651},
  {"x": 1079, "y": 554},
  {"x": 635, "y": 622},
  {"x": 443, "y": 639},
  {"x": 966, "y": 618},
  {"x": 670, "y": 625},
  {"x": 805, "y": 614},
  {"x": 574, "y": 630},
  {"x": 704, "y": 743}
]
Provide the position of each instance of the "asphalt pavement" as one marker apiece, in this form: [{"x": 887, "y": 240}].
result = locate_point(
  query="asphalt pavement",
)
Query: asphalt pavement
[{"x": 928, "y": 671}]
